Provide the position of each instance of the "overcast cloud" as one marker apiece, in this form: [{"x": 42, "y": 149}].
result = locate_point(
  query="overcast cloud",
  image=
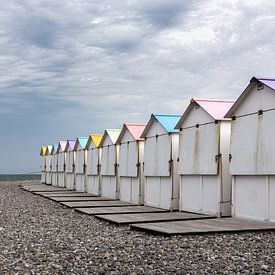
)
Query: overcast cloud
[{"x": 71, "y": 67}]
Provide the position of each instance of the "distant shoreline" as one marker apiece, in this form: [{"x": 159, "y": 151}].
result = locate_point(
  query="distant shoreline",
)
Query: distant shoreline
[{"x": 19, "y": 177}]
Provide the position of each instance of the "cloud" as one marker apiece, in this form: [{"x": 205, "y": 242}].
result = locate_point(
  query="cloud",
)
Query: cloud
[{"x": 71, "y": 67}]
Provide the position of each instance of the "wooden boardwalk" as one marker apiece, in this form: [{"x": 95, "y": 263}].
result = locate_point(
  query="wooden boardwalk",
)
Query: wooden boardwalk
[
  {"x": 43, "y": 188},
  {"x": 78, "y": 199},
  {"x": 145, "y": 218},
  {"x": 152, "y": 217},
  {"x": 67, "y": 193},
  {"x": 102, "y": 203},
  {"x": 119, "y": 210},
  {"x": 205, "y": 226}
]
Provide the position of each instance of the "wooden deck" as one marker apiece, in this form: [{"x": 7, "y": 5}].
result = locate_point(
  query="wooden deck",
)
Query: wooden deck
[
  {"x": 77, "y": 199},
  {"x": 102, "y": 203},
  {"x": 66, "y": 193},
  {"x": 43, "y": 188},
  {"x": 69, "y": 195},
  {"x": 205, "y": 226},
  {"x": 152, "y": 217},
  {"x": 119, "y": 210}
]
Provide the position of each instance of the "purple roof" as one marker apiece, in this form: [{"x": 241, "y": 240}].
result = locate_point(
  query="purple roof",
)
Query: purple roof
[{"x": 268, "y": 81}]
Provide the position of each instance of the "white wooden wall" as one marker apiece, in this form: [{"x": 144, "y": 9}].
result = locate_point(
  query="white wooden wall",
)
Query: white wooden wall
[
  {"x": 61, "y": 161},
  {"x": 92, "y": 161},
  {"x": 198, "y": 146},
  {"x": 43, "y": 163},
  {"x": 157, "y": 152},
  {"x": 253, "y": 162},
  {"x": 131, "y": 176},
  {"x": 254, "y": 197},
  {"x": 128, "y": 157},
  {"x": 54, "y": 162},
  {"x": 108, "y": 160},
  {"x": 79, "y": 161},
  {"x": 252, "y": 139},
  {"x": 48, "y": 163},
  {"x": 70, "y": 162}
]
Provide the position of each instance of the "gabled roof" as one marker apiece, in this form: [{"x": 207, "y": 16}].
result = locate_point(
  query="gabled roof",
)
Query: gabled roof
[
  {"x": 70, "y": 144},
  {"x": 95, "y": 138},
  {"x": 54, "y": 149},
  {"x": 49, "y": 149},
  {"x": 112, "y": 133},
  {"x": 268, "y": 81},
  {"x": 216, "y": 108},
  {"x": 135, "y": 130},
  {"x": 62, "y": 145},
  {"x": 82, "y": 141},
  {"x": 168, "y": 122},
  {"x": 43, "y": 150}
]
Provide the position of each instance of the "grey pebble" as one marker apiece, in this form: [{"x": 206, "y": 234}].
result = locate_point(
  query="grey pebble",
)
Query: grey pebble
[{"x": 39, "y": 236}]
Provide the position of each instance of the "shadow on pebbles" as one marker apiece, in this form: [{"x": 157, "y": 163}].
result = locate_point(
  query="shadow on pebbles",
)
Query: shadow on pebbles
[{"x": 39, "y": 236}]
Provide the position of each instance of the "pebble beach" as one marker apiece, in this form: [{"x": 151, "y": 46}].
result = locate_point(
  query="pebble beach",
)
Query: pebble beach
[{"x": 39, "y": 236}]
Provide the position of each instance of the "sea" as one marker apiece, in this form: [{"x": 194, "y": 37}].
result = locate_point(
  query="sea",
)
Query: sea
[{"x": 19, "y": 177}]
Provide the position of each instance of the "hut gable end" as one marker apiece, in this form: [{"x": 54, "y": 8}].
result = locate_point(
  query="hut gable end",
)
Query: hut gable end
[{"x": 258, "y": 95}]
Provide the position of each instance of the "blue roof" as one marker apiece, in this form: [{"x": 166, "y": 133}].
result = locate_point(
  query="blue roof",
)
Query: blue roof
[
  {"x": 168, "y": 122},
  {"x": 55, "y": 146},
  {"x": 82, "y": 141}
]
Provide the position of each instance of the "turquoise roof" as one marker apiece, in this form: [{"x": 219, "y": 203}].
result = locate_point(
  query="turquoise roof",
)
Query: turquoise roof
[
  {"x": 168, "y": 122},
  {"x": 82, "y": 141},
  {"x": 55, "y": 146}
]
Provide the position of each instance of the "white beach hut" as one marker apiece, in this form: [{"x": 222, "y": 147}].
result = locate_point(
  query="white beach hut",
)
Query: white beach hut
[
  {"x": 43, "y": 163},
  {"x": 160, "y": 162},
  {"x": 204, "y": 141},
  {"x": 252, "y": 152},
  {"x": 61, "y": 163},
  {"x": 93, "y": 164},
  {"x": 109, "y": 158},
  {"x": 70, "y": 165},
  {"x": 130, "y": 163},
  {"x": 49, "y": 164},
  {"x": 80, "y": 164},
  {"x": 54, "y": 164}
]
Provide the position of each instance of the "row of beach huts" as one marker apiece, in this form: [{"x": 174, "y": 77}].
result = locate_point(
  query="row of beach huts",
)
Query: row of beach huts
[{"x": 216, "y": 158}]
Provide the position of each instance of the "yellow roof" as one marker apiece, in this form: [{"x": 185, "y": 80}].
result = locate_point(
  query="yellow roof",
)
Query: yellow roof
[
  {"x": 96, "y": 138},
  {"x": 43, "y": 150}
]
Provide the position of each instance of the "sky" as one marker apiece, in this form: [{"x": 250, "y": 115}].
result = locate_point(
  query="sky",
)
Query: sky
[{"x": 69, "y": 68}]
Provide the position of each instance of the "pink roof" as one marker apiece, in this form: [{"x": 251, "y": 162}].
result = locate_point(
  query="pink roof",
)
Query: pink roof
[
  {"x": 136, "y": 130},
  {"x": 216, "y": 108}
]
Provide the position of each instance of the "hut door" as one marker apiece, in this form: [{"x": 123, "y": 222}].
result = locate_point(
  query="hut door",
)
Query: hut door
[
  {"x": 157, "y": 154},
  {"x": 70, "y": 161},
  {"x": 79, "y": 158},
  {"x": 108, "y": 160},
  {"x": 61, "y": 161},
  {"x": 128, "y": 159},
  {"x": 199, "y": 150},
  {"x": 92, "y": 161},
  {"x": 252, "y": 144},
  {"x": 54, "y": 164},
  {"x": 48, "y": 163}
]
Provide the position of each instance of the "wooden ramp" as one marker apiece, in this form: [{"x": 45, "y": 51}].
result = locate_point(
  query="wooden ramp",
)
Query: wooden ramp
[
  {"x": 67, "y": 193},
  {"x": 40, "y": 188},
  {"x": 77, "y": 199},
  {"x": 119, "y": 210},
  {"x": 152, "y": 217},
  {"x": 99, "y": 203},
  {"x": 220, "y": 225}
]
